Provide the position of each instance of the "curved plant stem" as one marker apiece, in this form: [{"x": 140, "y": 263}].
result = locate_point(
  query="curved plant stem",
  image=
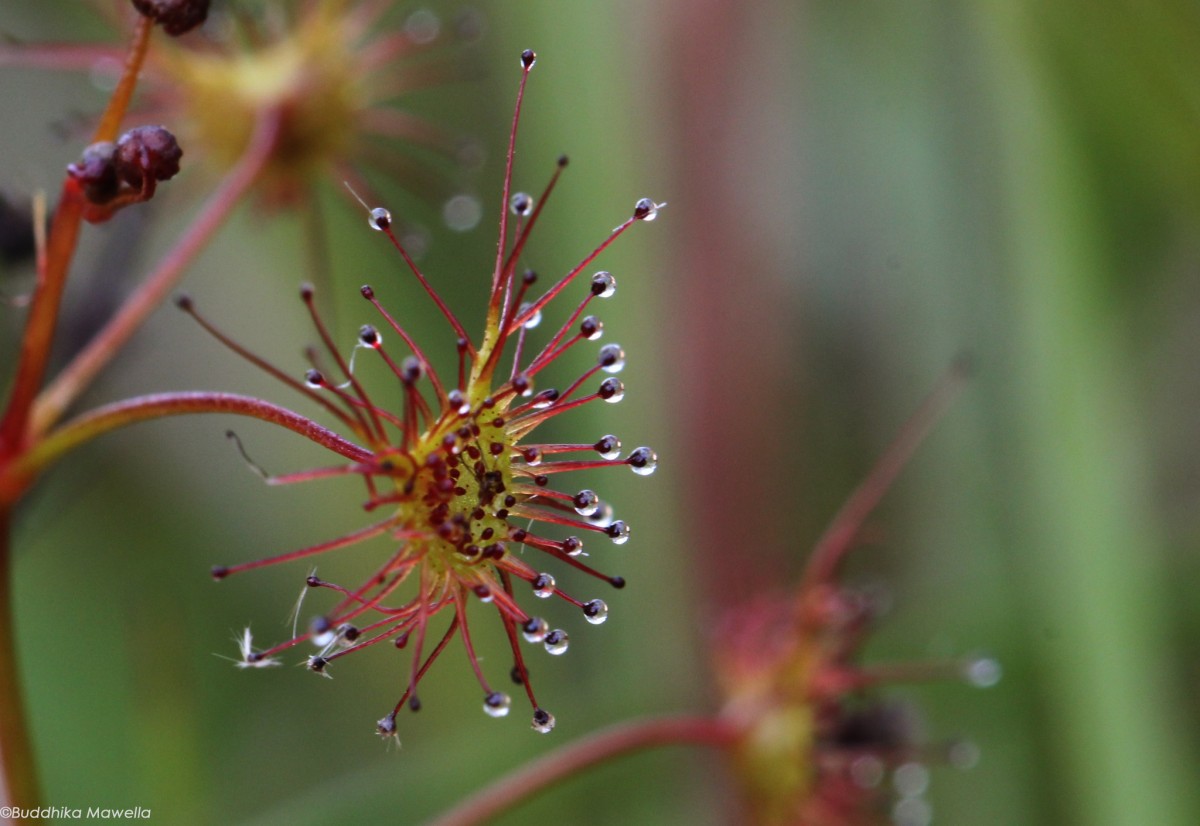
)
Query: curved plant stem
[
  {"x": 839, "y": 536},
  {"x": 18, "y": 772},
  {"x": 157, "y": 406},
  {"x": 118, "y": 102},
  {"x": 599, "y": 747},
  {"x": 76, "y": 376}
]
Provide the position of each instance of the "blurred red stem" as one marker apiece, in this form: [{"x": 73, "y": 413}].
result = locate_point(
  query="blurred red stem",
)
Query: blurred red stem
[
  {"x": 571, "y": 759},
  {"x": 839, "y": 536},
  {"x": 18, "y": 773},
  {"x": 118, "y": 102},
  {"x": 43, "y": 317}
]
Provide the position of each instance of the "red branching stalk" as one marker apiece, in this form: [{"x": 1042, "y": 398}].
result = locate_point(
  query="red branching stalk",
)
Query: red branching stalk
[
  {"x": 572, "y": 760},
  {"x": 56, "y": 261},
  {"x": 53, "y": 401},
  {"x": 17, "y": 766}
]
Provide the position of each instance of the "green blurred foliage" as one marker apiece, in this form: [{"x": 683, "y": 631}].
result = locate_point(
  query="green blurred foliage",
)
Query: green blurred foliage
[{"x": 858, "y": 192}]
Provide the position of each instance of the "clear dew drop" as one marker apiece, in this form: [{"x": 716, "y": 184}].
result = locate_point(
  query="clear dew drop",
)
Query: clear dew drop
[
  {"x": 646, "y": 209},
  {"x": 534, "y": 320},
  {"x": 910, "y": 779},
  {"x": 347, "y": 635},
  {"x": 604, "y": 285},
  {"x": 982, "y": 672},
  {"x": 557, "y": 642},
  {"x": 912, "y": 811},
  {"x": 609, "y": 447},
  {"x": 572, "y": 546},
  {"x": 963, "y": 755},
  {"x": 618, "y": 532},
  {"x": 533, "y": 456},
  {"x": 595, "y": 611},
  {"x": 411, "y": 369},
  {"x": 497, "y": 704},
  {"x": 379, "y": 219},
  {"x": 543, "y": 721},
  {"x": 603, "y": 517},
  {"x": 104, "y": 72},
  {"x": 867, "y": 771},
  {"x": 611, "y": 358},
  {"x": 544, "y": 399},
  {"x": 462, "y": 212},
  {"x": 543, "y": 586},
  {"x": 458, "y": 402},
  {"x": 612, "y": 390},
  {"x": 422, "y": 27},
  {"x": 368, "y": 336},
  {"x": 521, "y": 204},
  {"x": 535, "y": 629},
  {"x": 591, "y": 328},
  {"x": 586, "y": 502},
  {"x": 643, "y": 461}
]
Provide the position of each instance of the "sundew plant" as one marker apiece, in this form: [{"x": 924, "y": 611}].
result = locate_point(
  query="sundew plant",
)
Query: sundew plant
[{"x": 193, "y": 196}]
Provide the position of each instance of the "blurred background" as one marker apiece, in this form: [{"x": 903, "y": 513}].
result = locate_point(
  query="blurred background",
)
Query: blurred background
[{"x": 858, "y": 193}]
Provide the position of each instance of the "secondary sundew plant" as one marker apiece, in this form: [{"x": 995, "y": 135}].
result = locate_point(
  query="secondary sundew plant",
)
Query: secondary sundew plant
[
  {"x": 457, "y": 470},
  {"x": 819, "y": 745},
  {"x": 328, "y": 81},
  {"x": 810, "y": 737}
]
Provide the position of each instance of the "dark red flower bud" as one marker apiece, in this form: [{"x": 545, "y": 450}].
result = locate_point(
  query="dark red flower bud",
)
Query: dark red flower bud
[
  {"x": 96, "y": 171},
  {"x": 147, "y": 151},
  {"x": 175, "y": 16}
]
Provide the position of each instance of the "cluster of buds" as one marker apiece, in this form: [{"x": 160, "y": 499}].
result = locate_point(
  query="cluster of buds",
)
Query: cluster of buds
[
  {"x": 175, "y": 16},
  {"x": 127, "y": 171},
  {"x": 462, "y": 481}
]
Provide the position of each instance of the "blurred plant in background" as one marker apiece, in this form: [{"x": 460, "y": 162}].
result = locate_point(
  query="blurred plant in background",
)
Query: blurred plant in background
[
  {"x": 807, "y": 735},
  {"x": 858, "y": 191}
]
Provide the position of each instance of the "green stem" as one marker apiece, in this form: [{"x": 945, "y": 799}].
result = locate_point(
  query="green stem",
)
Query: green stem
[
  {"x": 18, "y": 772},
  {"x": 120, "y": 414},
  {"x": 599, "y": 747},
  {"x": 79, "y": 374}
]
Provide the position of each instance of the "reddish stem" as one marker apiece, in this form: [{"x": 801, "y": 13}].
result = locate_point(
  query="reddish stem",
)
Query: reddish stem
[
  {"x": 43, "y": 317},
  {"x": 118, "y": 102},
  {"x": 82, "y": 370},
  {"x": 16, "y": 477},
  {"x": 18, "y": 772},
  {"x": 839, "y": 536},
  {"x": 599, "y": 747}
]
